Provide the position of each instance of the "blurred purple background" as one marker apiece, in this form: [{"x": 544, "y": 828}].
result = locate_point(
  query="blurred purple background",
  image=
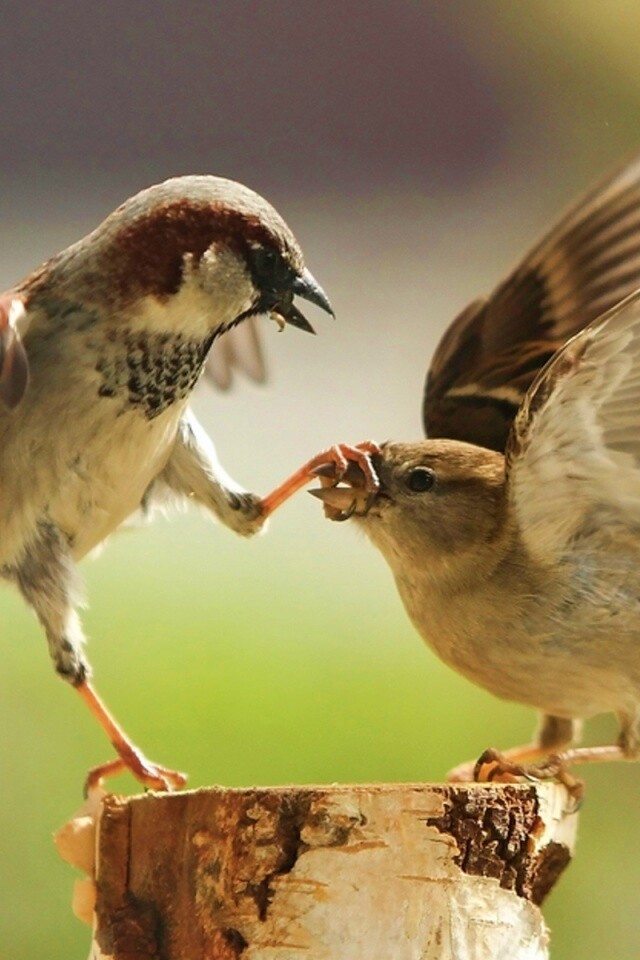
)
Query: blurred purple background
[{"x": 314, "y": 97}]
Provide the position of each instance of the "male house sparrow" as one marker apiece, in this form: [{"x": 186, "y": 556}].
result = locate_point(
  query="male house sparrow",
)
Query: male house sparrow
[
  {"x": 100, "y": 349},
  {"x": 522, "y": 569}
]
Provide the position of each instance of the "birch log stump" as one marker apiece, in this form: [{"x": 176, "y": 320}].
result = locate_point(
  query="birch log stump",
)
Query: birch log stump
[{"x": 372, "y": 872}]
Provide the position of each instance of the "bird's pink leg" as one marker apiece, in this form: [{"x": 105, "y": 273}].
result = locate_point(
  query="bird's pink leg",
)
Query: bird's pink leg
[
  {"x": 576, "y": 755},
  {"x": 340, "y": 456},
  {"x": 555, "y": 766},
  {"x": 130, "y": 757}
]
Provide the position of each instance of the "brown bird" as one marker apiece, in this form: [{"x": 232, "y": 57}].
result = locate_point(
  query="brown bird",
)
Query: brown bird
[
  {"x": 100, "y": 349},
  {"x": 521, "y": 568}
]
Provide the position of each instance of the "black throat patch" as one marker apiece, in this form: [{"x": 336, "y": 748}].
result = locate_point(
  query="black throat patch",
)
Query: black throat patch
[{"x": 149, "y": 371}]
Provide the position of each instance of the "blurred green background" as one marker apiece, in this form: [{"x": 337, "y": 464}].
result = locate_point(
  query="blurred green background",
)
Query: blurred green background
[{"x": 417, "y": 150}]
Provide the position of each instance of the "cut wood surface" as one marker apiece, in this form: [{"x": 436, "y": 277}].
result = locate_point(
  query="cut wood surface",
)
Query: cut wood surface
[{"x": 367, "y": 872}]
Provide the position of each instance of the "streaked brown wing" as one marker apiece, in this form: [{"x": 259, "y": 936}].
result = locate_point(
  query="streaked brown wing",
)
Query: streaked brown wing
[{"x": 491, "y": 353}]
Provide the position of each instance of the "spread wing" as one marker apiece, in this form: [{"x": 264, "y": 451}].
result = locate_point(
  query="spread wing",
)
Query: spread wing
[
  {"x": 573, "y": 455},
  {"x": 238, "y": 349},
  {"x": 491, "y": 353}
]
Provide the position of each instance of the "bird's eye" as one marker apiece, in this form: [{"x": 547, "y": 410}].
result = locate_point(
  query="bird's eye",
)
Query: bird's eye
[
  {"x": 264, "y": 260},
  {"x": 269, "y": 268},
  {"x": 420, "y": 480}
]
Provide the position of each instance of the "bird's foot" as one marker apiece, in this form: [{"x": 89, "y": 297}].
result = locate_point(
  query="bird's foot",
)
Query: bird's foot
[
  {"x": 348, "y": 488},
  {"x": 494, "y": 767},
  {"x": 130, "y": 758},
  {"x": 332, "y": 466},
  {"x": 151, "y": 775}
]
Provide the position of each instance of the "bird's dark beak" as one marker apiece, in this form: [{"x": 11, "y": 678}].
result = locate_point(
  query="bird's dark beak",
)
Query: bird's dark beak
[
  {"x": 308, "y": 288},
  {"x": 305, "y": 286}
]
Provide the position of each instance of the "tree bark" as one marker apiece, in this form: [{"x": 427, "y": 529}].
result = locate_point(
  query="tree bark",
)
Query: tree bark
[{"x": 377, "y": 872}]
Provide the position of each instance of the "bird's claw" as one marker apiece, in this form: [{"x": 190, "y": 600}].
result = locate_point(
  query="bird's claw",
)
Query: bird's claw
[
  {"x": 353, "y": 466},
  {"x": 493, "y": 767},
  {"x": 152, "y": 776},
  {"x": 331, "y": 466},
  {"x": 334, "y": 465}
]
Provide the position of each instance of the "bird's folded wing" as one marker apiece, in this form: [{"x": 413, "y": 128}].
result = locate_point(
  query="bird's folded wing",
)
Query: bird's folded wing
[
  {"x": 237, "y": 349},
  {"x": 489, "y": 356},
  {"x": 573, "y": 455}
]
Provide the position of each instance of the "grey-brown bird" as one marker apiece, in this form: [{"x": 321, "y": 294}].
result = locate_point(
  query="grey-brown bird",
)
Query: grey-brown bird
[
  {"x": 520, "y": 567},
  {"x": 100, "y": 349}
]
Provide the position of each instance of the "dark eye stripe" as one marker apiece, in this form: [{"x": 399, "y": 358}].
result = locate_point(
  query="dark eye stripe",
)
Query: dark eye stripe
[{"x": 269, "y": 269}]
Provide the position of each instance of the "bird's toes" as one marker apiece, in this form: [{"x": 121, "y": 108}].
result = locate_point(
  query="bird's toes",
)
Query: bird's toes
[
  {"x": 553, "y": 767},
  {"x": 152, "y": 776},
  {"x": 494, "y": 767}
]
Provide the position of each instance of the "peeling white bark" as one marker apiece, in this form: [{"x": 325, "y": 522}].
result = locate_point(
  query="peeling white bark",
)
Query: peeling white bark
[{"x": 380, "y": 872}]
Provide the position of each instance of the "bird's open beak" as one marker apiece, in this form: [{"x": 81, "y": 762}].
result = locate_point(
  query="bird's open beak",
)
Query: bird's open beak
[
  {"x": 340, "y": 502},
  {"x": 308, "y": 288}
]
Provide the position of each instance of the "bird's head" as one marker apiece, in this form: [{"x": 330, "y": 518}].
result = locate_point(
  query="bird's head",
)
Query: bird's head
[
  {"x": 195, "y": 254},
  {"x": 438, "y": 500}
]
